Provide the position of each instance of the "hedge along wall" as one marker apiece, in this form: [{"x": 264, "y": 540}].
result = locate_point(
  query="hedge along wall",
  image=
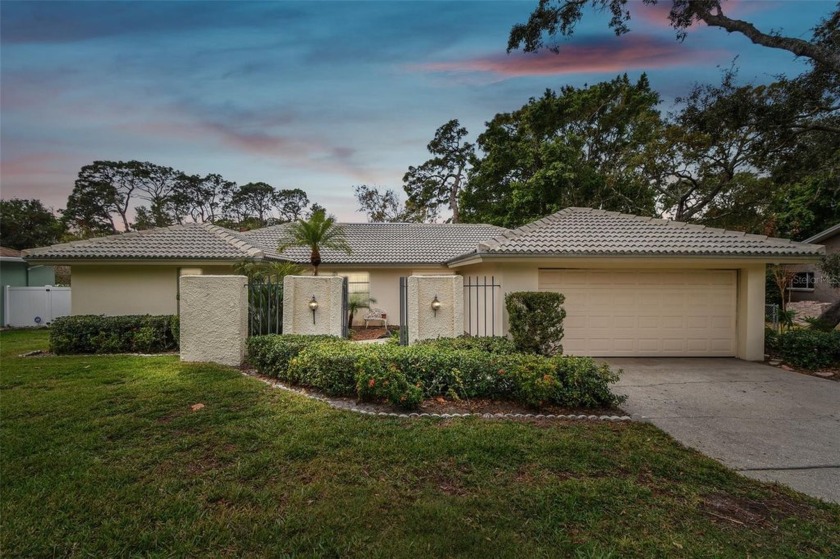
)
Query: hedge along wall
[
  {"x": 404, "y": 375},
  {"x": 114, "y": 334}
]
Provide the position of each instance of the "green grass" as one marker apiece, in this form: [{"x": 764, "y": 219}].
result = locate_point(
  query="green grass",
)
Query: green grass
[{"x": 102, "y": 456}]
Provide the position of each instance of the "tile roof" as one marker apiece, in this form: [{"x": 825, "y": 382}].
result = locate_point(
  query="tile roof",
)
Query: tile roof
[
  {"x": 388, "y": 243},
  {"x": 569, "y": 232},
  {"x": 189, "y": 241},
  {"x": 9, "y": 252},
  {"x": 588, "y": 232}
]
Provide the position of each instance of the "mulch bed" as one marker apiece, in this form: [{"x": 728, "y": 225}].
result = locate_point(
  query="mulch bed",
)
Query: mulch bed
[
  {"x": 362, "y": 334},
  {"x": 481, "y": 405}
]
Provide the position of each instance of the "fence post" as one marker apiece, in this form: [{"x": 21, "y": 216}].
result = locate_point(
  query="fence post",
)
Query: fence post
[{"x": 214, "y": 319}]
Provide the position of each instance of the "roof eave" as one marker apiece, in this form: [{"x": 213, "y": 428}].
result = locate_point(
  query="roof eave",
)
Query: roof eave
[
  {"x": 480, "y": 257},
  {"x": 822, "y": 235},
  {"x": 155, "y": 260}
]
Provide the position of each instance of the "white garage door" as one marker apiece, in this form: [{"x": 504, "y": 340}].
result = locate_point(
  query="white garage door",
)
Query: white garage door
[{"x": 614, "y": 313}]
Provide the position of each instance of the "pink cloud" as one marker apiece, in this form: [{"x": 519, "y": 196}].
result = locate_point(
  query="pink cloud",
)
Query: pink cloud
[
  {"x": 610, "y": 55},
  {"x": 295, "y": 150}
]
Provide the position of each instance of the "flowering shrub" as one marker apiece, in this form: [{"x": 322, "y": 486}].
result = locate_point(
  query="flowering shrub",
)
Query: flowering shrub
[
  {"x": 405, "y": 375},
  {"x": 377, "y": 380},
  {"x": 535, "y": 382}
]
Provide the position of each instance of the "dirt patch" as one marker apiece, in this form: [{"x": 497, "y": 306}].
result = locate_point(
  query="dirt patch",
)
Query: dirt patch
[
  {"x": 743, "y": 511},
  {"x": 446, "y": 477}
]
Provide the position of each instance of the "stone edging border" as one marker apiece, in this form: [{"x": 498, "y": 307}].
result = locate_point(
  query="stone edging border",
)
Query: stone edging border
[{"x": 347, "y": 406}]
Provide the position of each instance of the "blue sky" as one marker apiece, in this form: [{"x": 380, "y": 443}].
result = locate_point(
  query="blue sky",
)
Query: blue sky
[{"x": 313, "y": 95}]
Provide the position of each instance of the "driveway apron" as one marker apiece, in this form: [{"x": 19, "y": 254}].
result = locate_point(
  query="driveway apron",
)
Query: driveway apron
[{"x": 764, "y": 422}]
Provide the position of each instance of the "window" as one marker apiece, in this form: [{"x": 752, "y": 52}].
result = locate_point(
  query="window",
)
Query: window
[
  {"x": 802, "y": 281},
  {"x": 358, "y": 284}
]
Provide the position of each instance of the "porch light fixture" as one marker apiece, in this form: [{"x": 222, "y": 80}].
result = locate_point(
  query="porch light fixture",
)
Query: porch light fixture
[
  {"x": 313, "y": 306},
  {"x": 435, "y": 305}
]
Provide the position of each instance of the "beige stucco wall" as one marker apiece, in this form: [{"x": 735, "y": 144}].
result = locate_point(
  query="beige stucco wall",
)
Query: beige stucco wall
[
  {"x": 297, "y": 316},
  {"x": 132, "y": 288},
  {"x": 750, "y": 318},
  {"x": 122, "y": 290},
  {"x": 214, "y": 319},
  {"x": 425, "y": 323}
]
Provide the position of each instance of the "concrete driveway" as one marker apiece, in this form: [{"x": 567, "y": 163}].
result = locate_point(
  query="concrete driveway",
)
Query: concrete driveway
[{"x": 764, "y": 422}]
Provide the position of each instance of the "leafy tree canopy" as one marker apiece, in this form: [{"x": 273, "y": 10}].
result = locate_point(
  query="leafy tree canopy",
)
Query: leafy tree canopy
[
  {"x": 578, "y": 147},
  {"x": 438, "y": 181},
  {"x": 28, "y": 224},
  {"x": 385, "y": 207}
]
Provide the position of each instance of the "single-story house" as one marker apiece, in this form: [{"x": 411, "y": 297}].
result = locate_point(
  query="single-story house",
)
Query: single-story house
[
  {"x": 634, "y": 286},
  {"x": 16, "y": 272},
  {"x": 810, "y": 283}
]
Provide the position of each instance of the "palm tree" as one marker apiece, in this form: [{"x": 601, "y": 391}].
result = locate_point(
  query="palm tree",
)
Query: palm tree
[
  {"x": 357, "y": 301},
  {"x": 317, "y": 232}
]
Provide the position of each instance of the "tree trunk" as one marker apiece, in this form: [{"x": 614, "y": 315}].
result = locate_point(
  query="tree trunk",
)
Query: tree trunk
[
  {"x": 315, "y": 259},
  {"x": 831, "y": 315},
  {"x": 453, "y": 199}
]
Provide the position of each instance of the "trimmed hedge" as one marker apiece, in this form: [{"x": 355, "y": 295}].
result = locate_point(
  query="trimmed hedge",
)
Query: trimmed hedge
[
  {"x": 490, "y": 344},
  {"x": 114, "y": 334},
  {"x": 271, "y": 354},
  {"x": 536, "y": 321},
  {"x": 405, "y": 375},
  {"x": 806, "y": 348}
]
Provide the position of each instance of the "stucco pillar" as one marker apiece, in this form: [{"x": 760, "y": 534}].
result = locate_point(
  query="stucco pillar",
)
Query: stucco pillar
[
  {"x": 328, "y": 318},
  {"x": 424, "y": 322},
  {"x": 214, "y": 319},
  {"x": 751, "y": 285}
]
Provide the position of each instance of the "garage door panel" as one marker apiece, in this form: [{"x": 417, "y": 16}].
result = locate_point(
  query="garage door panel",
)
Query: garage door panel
[{"x": 646, "y": 313}]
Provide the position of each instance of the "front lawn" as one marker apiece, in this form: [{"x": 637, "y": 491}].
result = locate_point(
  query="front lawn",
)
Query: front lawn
[{"x": 104, "y": 456}]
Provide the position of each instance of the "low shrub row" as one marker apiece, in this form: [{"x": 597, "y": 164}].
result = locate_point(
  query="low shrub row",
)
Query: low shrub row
[
  {"x": 462, "y": 369},
  {"x": 114, "y": 334},
  {"x": 805, "y": 348},
  {"x": 490, "y": 344}
]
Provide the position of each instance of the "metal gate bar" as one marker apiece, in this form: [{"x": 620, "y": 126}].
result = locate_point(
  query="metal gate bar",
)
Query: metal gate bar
[{"x": 483, "y": 313}]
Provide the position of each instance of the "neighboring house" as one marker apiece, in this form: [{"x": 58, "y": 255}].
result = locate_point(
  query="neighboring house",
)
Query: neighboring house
[
  {"x": 633, "y": 285},
  {"x": 810, "y": 283},
  {"x": 16, "y": 272}
]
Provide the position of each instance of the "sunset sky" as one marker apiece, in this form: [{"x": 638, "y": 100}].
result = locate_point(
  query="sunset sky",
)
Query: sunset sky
[{"x": 316, "y": 95}]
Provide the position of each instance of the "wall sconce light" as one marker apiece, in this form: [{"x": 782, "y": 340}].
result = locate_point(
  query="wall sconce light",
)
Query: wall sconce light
[
  {"x": 435, "y": 305},
  {"x": 313, "y": 306}
]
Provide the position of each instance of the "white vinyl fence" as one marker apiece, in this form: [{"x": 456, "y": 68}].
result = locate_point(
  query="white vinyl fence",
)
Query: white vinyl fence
[{"x": 35, "y": 306}]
